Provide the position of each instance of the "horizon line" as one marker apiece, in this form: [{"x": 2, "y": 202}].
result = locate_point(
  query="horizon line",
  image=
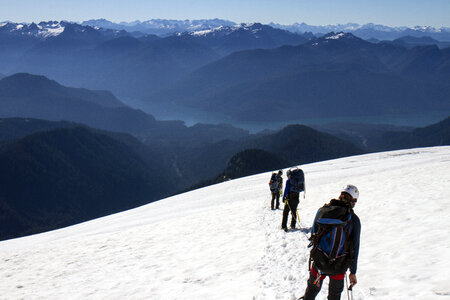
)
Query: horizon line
[{"x": 237, "y": 23}]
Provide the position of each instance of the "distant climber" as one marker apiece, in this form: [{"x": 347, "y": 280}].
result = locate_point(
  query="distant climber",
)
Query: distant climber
[
  {"x": 273, "y": 185},
  {"x": 295, "y": 184}
]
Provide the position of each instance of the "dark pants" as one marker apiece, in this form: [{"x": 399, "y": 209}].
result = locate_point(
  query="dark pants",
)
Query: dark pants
[
  {"x": 335, "y": 287},
  {"x": 290, "y": 206},
  {"x": 275, "y": 196}
]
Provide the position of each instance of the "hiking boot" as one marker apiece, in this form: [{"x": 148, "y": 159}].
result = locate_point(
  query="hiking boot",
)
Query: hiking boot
[{"x": 285, "y": 229}]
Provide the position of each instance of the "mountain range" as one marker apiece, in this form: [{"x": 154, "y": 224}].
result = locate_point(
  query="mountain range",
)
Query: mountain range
[
  {"x": 16, "y": 39},
  {"x": 332, "y": 76},
  {"x": 163, "y": 27},
  {"x": 365, "y": 31},
  {"x": 49, "y": 29},
  {"x": 371, "y": 30},
  {"x": 119, "y": 61},
  {"x": 160, "y": 26},
  {"x": 378, "y": 137},
  {"x": 135, "y": 65},
  {"x": 408, "y": 41},
  {"x": 436, "y": 134},
  {"x": 292, "y": 145},
  {"x": 228, "y": 39}
]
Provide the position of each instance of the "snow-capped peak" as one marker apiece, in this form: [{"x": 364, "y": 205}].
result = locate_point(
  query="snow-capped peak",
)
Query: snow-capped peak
[
  {"x": 338, "y": 36},
  {"x": 50, "y": 29},
  {"x": 43, "y": 29},
  {"x": 335, "y": 37},
  {"x": 206, "y": 31},
  {"x": 226, "y": 30},
  {"x": 426, "y": 29}
]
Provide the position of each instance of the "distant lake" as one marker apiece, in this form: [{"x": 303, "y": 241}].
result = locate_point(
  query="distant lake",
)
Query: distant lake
[{"x": 192, "y": 117}]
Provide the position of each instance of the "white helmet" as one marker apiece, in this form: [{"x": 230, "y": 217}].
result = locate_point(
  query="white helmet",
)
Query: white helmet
[{"x": 351, "y": 190}]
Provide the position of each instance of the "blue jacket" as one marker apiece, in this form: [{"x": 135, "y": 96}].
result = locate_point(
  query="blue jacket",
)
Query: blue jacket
[
  {"x": 287, "y": 188},
  {"x": 355, "y": 236}
]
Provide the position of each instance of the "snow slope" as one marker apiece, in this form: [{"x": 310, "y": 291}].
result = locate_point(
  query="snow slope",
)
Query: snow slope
[{"x": 224, "y": 242}]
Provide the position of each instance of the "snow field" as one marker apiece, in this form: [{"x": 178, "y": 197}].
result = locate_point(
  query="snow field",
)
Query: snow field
[{"x": 224, "y": 242}]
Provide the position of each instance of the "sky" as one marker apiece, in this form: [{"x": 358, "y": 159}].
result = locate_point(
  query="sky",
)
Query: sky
[
  {"x": 434, "y": 13},
  {"x": 224, "y": 241}
]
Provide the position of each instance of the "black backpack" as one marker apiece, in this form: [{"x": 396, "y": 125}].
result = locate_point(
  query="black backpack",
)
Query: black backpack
[
  {"x": 331, "y": 252},
  {"x": 297, "y": 180}
]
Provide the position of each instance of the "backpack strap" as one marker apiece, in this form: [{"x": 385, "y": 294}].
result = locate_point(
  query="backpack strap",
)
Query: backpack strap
[
  {"x": 348, "y": 240},
  {"x": 315, "y": 238},
  {"x": 334, "y": 250}
]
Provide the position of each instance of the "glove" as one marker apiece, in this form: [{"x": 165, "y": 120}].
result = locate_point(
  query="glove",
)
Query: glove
[{"x": 352, "y": 278}]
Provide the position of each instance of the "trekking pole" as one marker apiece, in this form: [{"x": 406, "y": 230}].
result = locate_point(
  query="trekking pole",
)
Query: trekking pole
[
  {"x": 349, "y": 288},
  {"x": 351, "y": 291},
  {"x": 346, "y": 287}
]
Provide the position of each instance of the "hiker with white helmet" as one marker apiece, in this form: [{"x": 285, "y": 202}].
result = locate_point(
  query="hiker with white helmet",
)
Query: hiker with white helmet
[{"x": 335, "y": 240}]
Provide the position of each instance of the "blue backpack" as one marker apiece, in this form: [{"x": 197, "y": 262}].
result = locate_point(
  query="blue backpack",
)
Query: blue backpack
[
  {"x": 330, "y": 238},
  {"x": 297, "y": 180}
]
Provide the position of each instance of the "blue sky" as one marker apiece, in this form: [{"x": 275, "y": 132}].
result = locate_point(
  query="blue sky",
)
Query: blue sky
[{"x": 314, "y": 12}]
